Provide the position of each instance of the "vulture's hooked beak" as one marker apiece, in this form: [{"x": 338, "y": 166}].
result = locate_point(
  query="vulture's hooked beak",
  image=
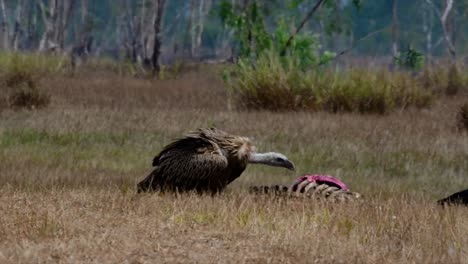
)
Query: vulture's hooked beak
[{"x": 289, "y": 165}]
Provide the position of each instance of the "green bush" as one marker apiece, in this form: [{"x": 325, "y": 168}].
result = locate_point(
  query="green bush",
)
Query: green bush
[
  {"x": 410, "y": 59},
  {"x": 278, "y": 84}
]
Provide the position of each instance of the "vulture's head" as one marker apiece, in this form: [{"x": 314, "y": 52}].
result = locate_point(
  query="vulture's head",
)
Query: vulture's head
[{"x": 272, "y": 159}]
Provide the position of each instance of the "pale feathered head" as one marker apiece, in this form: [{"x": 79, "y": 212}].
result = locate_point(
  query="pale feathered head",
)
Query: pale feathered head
[{"x": 272, "y": 159}]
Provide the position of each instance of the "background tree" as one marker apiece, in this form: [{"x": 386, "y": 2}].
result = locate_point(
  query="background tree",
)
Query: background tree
[
  {"x": 207, "y": 29},
  {"x": 4, "y": 27}
]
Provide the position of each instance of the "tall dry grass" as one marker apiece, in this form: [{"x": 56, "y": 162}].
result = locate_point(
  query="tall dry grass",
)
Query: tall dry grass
[
  {"x": 108, "y": 226},
  {"x": 69, "y": 171},
  {"x": 280, "y": 84}
]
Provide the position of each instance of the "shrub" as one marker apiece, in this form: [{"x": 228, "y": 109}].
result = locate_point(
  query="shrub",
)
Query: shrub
[
  {"x": 372, "y": 92},
  {"x": 410, "y": 59},
  {"x": 278, "y": 83},
  {"x": 443, "y": 80},
  {"x": 3, "y": 102},
  {"x": 271, "y": 84},
  {"x": 455, "y": 82},
  {"x": 28, "y": 98},
  {"x": 19, "y": 85},
  {"x": 462, "y": 117},
  {"x": 17, "y": 76},
  {"x": 434, "y": 79}
]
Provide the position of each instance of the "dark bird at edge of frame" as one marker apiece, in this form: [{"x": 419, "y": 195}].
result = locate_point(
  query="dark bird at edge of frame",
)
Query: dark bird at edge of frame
[{"x": 459, "y": 198}]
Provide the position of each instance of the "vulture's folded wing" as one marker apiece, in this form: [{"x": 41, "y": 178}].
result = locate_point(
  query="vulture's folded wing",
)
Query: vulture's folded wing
[{"x": 188, "y": 164}]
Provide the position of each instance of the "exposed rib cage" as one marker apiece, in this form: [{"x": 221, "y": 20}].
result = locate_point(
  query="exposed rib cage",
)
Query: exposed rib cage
[{"x": 307, "y": 189}]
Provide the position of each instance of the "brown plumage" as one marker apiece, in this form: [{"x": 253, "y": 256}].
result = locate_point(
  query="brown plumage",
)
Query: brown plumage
[{"x": 206, "y": 160}]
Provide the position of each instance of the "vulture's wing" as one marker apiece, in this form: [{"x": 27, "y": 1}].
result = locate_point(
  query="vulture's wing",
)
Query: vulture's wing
[
  {"x": 456, "y": 198},
  {"x": 185, "y": 145},
  {"x": 188, "y": 164}
]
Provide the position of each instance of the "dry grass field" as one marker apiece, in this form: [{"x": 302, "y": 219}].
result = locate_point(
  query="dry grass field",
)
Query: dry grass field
[{"x": 68, "y": 174}]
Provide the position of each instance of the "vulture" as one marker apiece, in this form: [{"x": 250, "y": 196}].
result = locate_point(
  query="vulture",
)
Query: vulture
[
  {"x": 459, "y": 198},
  {"x": 205, "y": 161}
]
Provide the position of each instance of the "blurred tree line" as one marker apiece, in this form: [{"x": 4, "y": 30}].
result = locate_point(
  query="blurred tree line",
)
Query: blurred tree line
[{"x": 153, "y": 31}]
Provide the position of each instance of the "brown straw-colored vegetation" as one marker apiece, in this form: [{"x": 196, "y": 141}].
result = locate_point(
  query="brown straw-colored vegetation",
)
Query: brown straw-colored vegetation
[{"x": 68, "y": 176}]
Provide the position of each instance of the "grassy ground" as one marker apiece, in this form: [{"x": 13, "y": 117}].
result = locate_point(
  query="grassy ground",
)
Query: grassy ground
[{"x": 68, "y": 176}]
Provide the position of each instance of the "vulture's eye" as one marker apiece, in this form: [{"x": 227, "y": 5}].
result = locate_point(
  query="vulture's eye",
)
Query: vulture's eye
[{"x": 279, "y": 159}]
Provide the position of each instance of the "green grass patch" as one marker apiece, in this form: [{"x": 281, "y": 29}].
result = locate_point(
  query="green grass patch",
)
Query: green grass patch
[
  {"x": 36, "y": 63},
  {"x": 86, "y": 151},
  {"x": 77, "y": 158}
]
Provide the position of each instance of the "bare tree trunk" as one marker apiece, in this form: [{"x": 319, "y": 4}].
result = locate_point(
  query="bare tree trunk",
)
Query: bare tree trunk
[
  {"x": 141, "y": 28},
  {"x": 85, "y": 20},
  {"x": 443, "y": 19},
  {"x": 199, "y": 27},
  {"x": 81, "y": 29},
  {"x": 395, "y": 29},
  {"x": 192, "y": 26},
  {"x": 148, "y": 35},
  {"x": 132, "y": 32},
  {"x": 197, "y": 17},
  {"x": 17, "y": 31},
  {"x": 84, "y": 12},
  {"x": 126, "y": 29},
  {"x": 144, "y": 32},
  {"x": 5, "y": 34},
  {"x": 66, "y": 11},
  {"x": 31, "y": 32},
  {"x": 157, "y": 35},
  {"x": 58, "y": 21},
  {"x": 427, "y": 29},
  {"x": 443, "y": 15},
  {"x": 49, "y": 17},
  {"x": 452, "y": 27}
]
